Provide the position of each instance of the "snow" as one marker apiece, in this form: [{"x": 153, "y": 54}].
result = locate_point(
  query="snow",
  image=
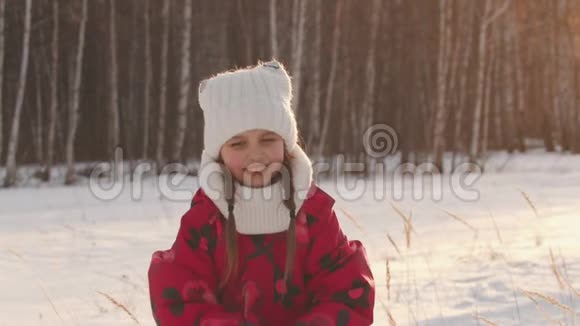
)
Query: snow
[{"x": 64, "y": 253}]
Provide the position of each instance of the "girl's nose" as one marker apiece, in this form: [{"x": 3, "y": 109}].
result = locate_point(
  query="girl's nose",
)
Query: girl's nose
[{"x": 256, "y": 150}]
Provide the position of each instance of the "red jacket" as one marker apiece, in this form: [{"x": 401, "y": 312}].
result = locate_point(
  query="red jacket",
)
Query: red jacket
[{"x": 332, "y": 283}]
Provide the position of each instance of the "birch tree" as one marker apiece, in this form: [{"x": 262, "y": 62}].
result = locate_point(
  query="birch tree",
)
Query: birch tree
[
  {"x": 148, "y": 80},
  {"x": 14, "y": 131},
  {"x": 314, "y": 126},
  {"x": 163, "y": 86},
  {"x": 184, "y": 83},
  {"x": 371, "y": 69},
  {"x": 2, "y": 11},
  {"x": 73, "y": 116},
  {"x": 331, "y": 78},
  {"x": 445, "y": 12},
  {"x": 298, "y": 52},
  {"x": 54, "y": 75},
  {"x": 274, "y": 29},
  {"x": 113, "y": 115},
  {"x": 488, "y": 18}
]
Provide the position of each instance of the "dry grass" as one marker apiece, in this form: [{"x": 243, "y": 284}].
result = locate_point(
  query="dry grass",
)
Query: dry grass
[
  {"x": 120, "y": 306},
  {"x": 529, "y": 201},
  {"x": 556, "y": 272},
  {"x": 462, "y": 221},
  {"x": 15, "y": 253},
  {"x": 548, "y": 299},
  {"x": 538, "y": 239},
  {"x": 563, "y": 280},
  {"x": 394, "y": 244},
  {"x": 546, "y": 316},
  {"x": 408, "y": 223},
  {"x": 497, "y": 233},
  {"x": 484, "y": 320},
  {"x": 392, "y": 321},
  {"x": 354, "y": 221},
  {"x": 388, "y": 280}
]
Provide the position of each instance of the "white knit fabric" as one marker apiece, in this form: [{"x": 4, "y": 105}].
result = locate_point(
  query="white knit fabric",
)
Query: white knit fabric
[
  {"x": 258, "y": 210},
  {"x": 245, "y": 99}
]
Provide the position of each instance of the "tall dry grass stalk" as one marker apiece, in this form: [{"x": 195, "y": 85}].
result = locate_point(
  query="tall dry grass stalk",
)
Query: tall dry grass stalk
[
  {"x": 563, "y": 280},
  {"x": 388, "y": 279},
  {"x": 120, "y": 306},
  {"x": 548, "y": 299},
  {"x": 408, "y": 224},
  {"x": 392, "y": 321},
  {"x": 529, "y": 201},
  {"x": 462, "y": 221},
  {"x": 545, "y": 314},
  {"x": 555, "y": 271},
  {"x": 497, "y": 233},
  {"x": 394, "y": 244},
  {"x": 484, "y": 320},
  {"x": 354, "y": 221},
  {"x": 538, "y": 239}
]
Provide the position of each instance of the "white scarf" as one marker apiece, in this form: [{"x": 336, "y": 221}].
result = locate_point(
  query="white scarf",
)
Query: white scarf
[{"x": 258, "y": 210}]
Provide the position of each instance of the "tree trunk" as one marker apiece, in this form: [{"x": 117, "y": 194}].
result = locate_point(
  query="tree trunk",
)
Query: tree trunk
[
  {"x": 482, "y": 53},
  {"x": 509, "y": 112},
  {"x": 38, "y": 133},
  {"x": 114, "y": 125},
  {"x": 159, "y": 153},
  {"x": 314, "y": 126},
  {"x": 548, "y": 108},
  {"x": 520, "y": 121},
  {"x": 489, "y": 16},
  {"x": 184, "y": 84},
  {"x": 245, "y": 32},
  {"x": 128, "y": 114},
  {"x": 459, "y": 144},
  {"x": 565, "y": 59},
  {"x": 274, "y": 29},
  {"x": 487, "y": 100},
  {"x": 445, "y": 11},
  {"x": 148, "y": 81},
  {"x": 573, "y": 25},
  {"x": 52, "y": 115},
  {"x": 14, "y": 131},
  {"x": 75, "y": 97},
  {"x": 331, "y": 78},
  {"x": 369, "y": 99},
  {"x": 298, "y": 54},
  {"x": 2, "y": 11}
]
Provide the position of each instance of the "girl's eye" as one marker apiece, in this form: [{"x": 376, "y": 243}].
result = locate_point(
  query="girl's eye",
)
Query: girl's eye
[
  {"x": 269, "y": 140},
  {"x": 236, "y": 144}
]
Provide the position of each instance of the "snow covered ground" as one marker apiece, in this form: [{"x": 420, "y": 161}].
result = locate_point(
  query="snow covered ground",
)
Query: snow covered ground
[{"x": 69, "y": 258}]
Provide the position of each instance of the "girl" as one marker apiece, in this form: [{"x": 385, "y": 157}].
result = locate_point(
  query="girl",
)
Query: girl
[{"x": 261, "y": 244}]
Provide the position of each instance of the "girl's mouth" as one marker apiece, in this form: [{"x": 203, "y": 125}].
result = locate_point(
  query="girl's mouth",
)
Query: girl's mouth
[{"x": 256, "y": 167}]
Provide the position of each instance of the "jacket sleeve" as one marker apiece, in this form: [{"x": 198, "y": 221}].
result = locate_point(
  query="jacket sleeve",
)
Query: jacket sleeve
[
  {"x": 338, "y": 277},
  {"x": 183, "y": 279}
]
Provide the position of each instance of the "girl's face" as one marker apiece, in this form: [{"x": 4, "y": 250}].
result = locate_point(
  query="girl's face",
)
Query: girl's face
[{"x": 254, "y": 156}]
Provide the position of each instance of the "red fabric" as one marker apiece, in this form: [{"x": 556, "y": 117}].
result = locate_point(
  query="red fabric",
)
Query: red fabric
[{"x": 332, "y": 283}]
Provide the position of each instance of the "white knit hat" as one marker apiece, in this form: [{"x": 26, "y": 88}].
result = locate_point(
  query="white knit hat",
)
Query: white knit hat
[
  {"x": 241, "y": 100},
  {"x": 245, "y": 99}
]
